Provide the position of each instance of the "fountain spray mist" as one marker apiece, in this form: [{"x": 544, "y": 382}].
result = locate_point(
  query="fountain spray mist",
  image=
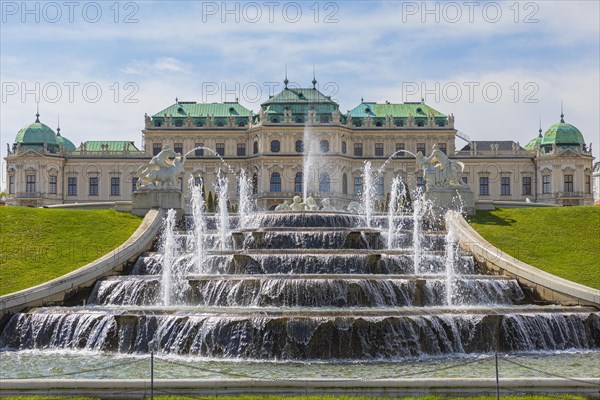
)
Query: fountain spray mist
[
  {"x": 398, "y": 192},
  {"x": 168, "y": 249},
  {"x": 308, "y": 161},
  {"x": 246, "y": 204},
  {"x": 416, "y": 239},
  {"x": 198, "y": 208},
  {"x": 368, "y": 193},
  {"x": 450, "y": 260},
  {"x": 222, "y": 190}
]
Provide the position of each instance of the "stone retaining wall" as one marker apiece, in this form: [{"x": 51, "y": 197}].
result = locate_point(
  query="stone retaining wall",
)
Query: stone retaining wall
[
  {"x": 135, "y": 388},
  {"x": 544, "y": 285}
]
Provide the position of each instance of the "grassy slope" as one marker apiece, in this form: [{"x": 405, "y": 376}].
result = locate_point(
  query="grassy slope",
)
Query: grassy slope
[
  {"x": 563, "y": 241},
  {"x": 38, "y": 244}
]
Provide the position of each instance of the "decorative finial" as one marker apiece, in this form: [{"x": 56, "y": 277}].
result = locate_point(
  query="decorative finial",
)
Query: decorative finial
[
  {"x": 540, "y": 126},
  {"x": 176, "y": 100},
  {"x": 285, "y": 81},
  {"x": 362, "y": 99},
  {"x": 562, "y": 114},
  {"x": 58, "y": 127},
  {"x": 314, "y": 81},
  {"x": 37, "y": 112}
]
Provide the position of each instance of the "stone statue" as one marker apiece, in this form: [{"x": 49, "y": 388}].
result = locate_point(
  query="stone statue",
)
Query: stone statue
[
  {"x": 335, "y": 116},
  {"x": 148, "y": 120},
  {"x": 311, "y": 204},
  {"x": 161, "y": 172},
  {"x": 354, "y": 207},
  {"x": 297, "y": 204},
  {"x": 326, "y": 205},
  {"x": 439, "y": 170},
  {"x": 285, "y": 206}
]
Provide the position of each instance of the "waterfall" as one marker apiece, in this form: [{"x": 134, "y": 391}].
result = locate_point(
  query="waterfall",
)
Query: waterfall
[
  {"x": 416, "y": 238},
  {"x": 450, "y": 260},
  {"x": 246, "y": 206}
]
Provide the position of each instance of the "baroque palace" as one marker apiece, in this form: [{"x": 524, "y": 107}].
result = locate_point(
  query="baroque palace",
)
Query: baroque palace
[{"x": 44, "y": 167}]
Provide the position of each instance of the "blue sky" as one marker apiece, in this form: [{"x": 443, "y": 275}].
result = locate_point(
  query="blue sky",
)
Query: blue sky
[{"x": 535, "y": 53}]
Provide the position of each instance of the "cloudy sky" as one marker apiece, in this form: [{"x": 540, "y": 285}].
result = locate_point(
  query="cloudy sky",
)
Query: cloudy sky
[{"x": 498, "y": 66}]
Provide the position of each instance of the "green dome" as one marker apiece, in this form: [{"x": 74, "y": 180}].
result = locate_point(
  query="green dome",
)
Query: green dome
[
  {"x": 534, "y": 142},
  {"x": 36, "y": 134},
  {"x": 66, "y": 143},
  {"x": 563, "y": 134}
]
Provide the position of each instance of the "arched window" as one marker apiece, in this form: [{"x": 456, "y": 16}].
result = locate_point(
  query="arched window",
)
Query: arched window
[
  {"x": 324, "y": 182},
  {"x": 275, "y": 182},
  {"x": 299, "y": 120},
  {"x": 324, "y": 146},
  {"x": 254, "y": 184},
  {"x": 344, "y": 148},
  {"x": 299, "y": 146},
  {"x": 298, "y": 181},
  {"x": 255, "y": 148},
  {"x": 344, "y": 184},
  {"x": 275, "y": 120},
  {"x": 275, "y": 146}
]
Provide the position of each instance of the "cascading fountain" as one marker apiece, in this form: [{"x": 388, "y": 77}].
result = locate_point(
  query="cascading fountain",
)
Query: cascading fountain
[{"x": 303, "y": 286}]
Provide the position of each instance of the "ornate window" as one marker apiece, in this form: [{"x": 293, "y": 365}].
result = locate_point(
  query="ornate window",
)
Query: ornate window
[
  {"x": 399, "y": 146},
  {"x": 241, "y": 149},
  {"x": 275, "y": 182},
  {"x": 421, "y": 148},
  {"x": 546, "y": 184},
  {"x": 344, "y": 149},
  {"x": 156, "y": 148},
  {"x": 254, "y": 184},
  {"x": 344, "y": 183},
  {"x": 358, "y": 185},
  {"x": 324, "y": 183},
  {"x": 526, "y": 185},
  {"x": 378, "y": 149},
  {"x": 178, "y": 148},
  {"x": 298, "y": 182},
  {"x": 255, "y": 148},
  {"x": 115, "y": 186},
  {"x": 379, "y": 186},
  {"x": 275, "y": 146},
  {"x": 134, "y": 182},
  {"x": 72, "y": 186},
  {"x": 93, "y": 186},
  {"x": 504, "y": 185},
  {"x": 358, "y": 149},
  {"x": 568, "y": 183},
  {"x": 199, "y": 152},
  {"x": 324, "y": 146},
  {"x": 588, "y": 184},
  {"x": 299, "y": 146},
  {"x": 11, "y": 184},
  {"x": 442, "y": 147},
  {"x": 30, "y": 184},
  {"x": 484, "y": 186},
  {"x": 221, "y": 149},
  {"x": 52, "y": 184}
]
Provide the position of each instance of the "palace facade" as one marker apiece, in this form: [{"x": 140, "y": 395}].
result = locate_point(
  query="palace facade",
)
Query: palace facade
[{"x": 43, "y": 167}]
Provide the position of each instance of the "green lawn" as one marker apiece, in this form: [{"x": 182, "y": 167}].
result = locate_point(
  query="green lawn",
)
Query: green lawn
[
  {"x": 503, "y": 397},
  {"x": 38, "y": 244},
  {"x": 564, "y": 241}
]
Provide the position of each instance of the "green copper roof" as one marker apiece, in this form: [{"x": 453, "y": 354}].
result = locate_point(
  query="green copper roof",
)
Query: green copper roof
[
  {"x": 193, "y": 109},
  {"x": 533, "y": 142},
  {"x": 36, "y": 133},
  {"x": 113, "y": 146},
  {"x": 403, "y": 110},
  {"x": 563, "y": 134},
  {"x": 63, "y": 141},
  {"x": 299, "y": 96}
]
